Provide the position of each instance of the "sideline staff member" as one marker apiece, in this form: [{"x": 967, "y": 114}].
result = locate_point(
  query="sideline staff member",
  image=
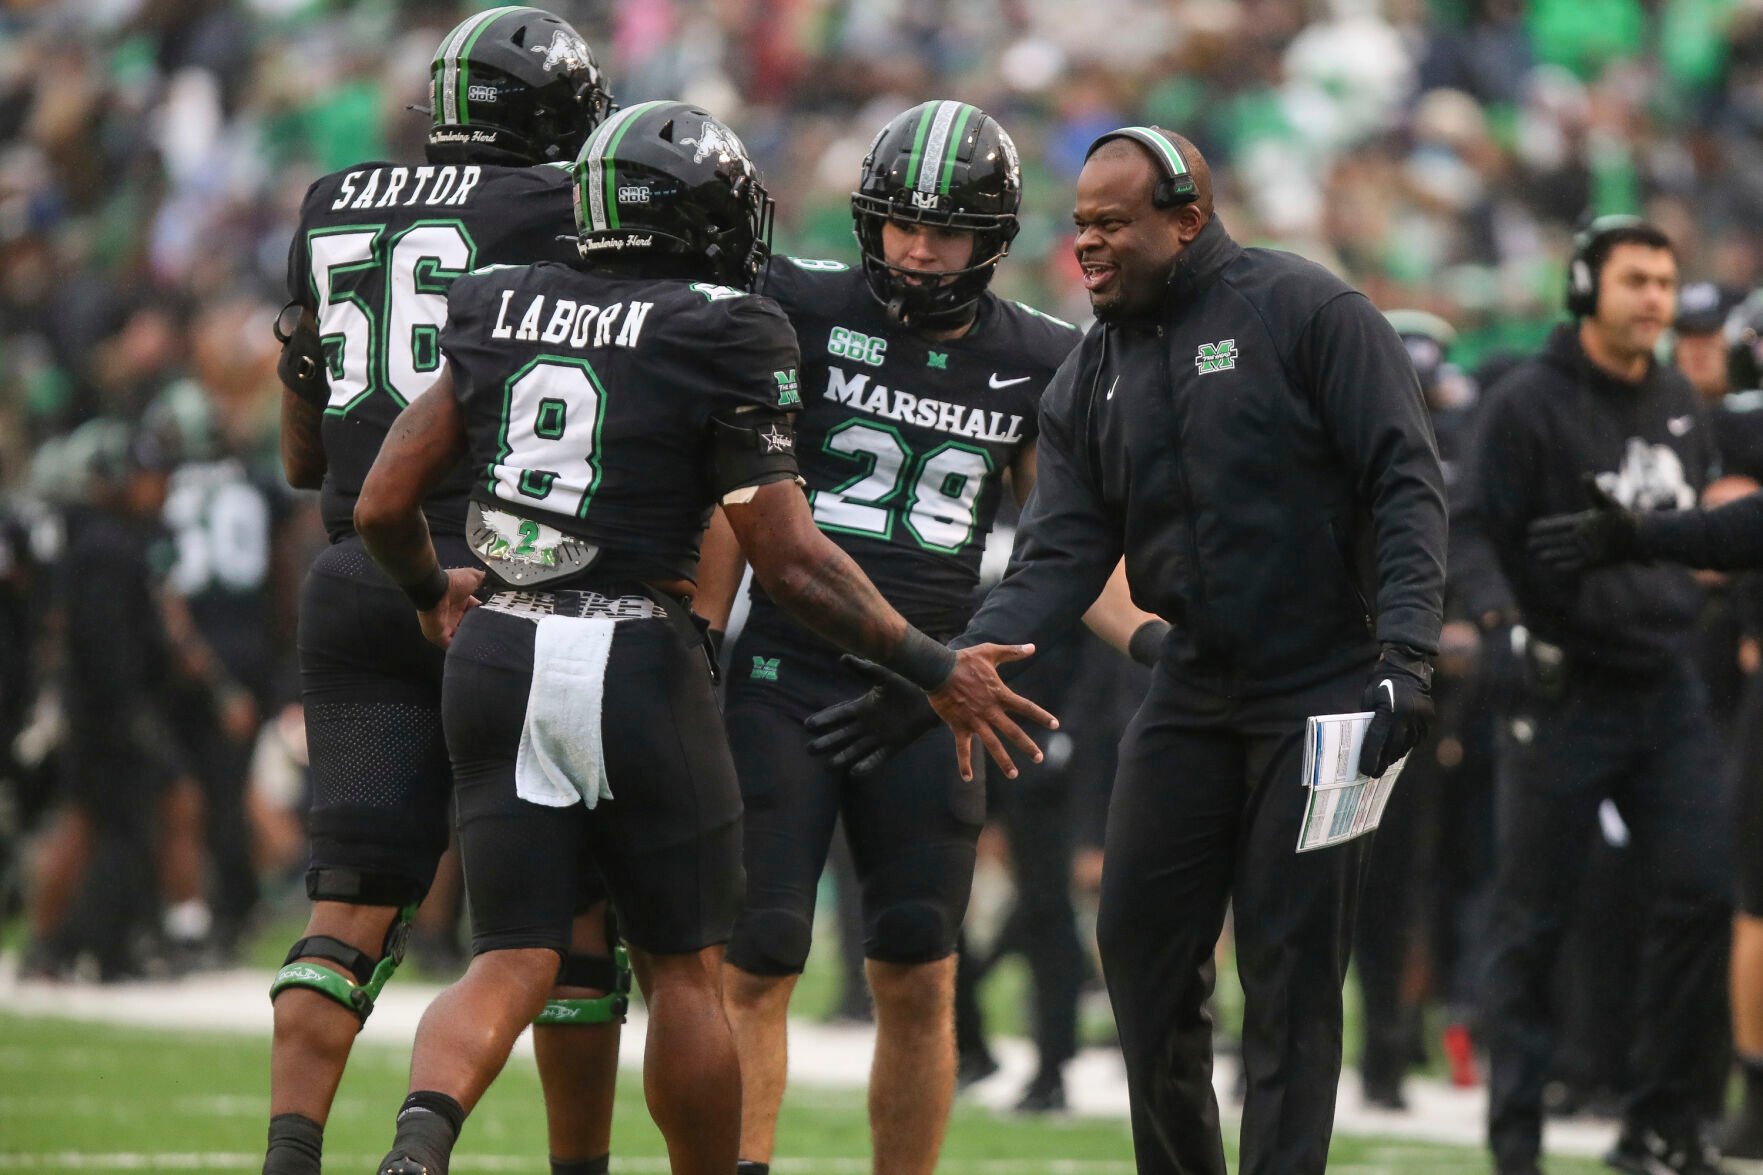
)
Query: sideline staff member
[
  {"x": 1618, "y": 711},
  {"x": 1248, "y": 430}
]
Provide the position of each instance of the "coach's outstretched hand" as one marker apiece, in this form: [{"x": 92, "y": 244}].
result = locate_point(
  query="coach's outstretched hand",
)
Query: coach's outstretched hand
[
  {"x": 1597, "y": 537},
  {"x": 863, "y": 733},
  {"x": 975, "y": 703}
]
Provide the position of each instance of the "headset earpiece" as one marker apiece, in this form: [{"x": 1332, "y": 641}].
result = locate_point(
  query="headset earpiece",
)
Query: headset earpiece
[
  {"x": 1176, "y": 187},
  {"x": 1582, "y": 277}
]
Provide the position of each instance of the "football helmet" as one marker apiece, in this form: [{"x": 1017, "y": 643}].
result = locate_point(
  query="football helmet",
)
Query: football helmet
[
  {"x": 1744, "y": 344},
  {"x": 513, "y": 85},
  {"x": 668, "y": 186},
  {"x": 941, "y": 163}
]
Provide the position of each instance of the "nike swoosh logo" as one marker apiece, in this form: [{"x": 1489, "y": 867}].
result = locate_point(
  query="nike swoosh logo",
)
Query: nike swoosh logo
[
  {"x": 1112, "y": 386},
  {"x": 1679, "y": 425},
  {"x": 1390, "y": 690},
  {"x": 1005, "y": 383}
]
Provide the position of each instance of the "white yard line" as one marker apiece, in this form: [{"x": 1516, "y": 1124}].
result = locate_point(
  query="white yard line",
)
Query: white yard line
[{"x": 833, "y": 1055}]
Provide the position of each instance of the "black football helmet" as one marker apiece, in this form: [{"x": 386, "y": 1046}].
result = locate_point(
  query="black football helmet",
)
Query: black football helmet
[
  {"x": 1744, "y": 344},
  {"x": 513, "y": 85},
  {"x": 942, "y": 163},
  {"x": 667, "y": 185}
]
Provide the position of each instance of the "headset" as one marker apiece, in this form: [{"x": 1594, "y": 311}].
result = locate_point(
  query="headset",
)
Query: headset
[
  {"x": 1582, "y": 279},
  {"x": 1176, "y": 187}
]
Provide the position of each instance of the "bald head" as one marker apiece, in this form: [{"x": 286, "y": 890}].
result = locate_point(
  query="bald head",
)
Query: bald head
[
  {"x": 1125, "y": 148},
  {"x": 1125, "y": 244}
]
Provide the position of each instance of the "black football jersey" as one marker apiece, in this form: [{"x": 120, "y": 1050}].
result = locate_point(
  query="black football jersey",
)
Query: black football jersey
[
  {"x": 588, "y": 401},
  {"x": 904, "y": 440},
  {"x": 377, "y": 247}
]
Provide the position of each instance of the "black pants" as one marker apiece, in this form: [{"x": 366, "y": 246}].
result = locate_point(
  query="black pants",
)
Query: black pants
[
  {"x": 1650, "y": 746},
  {"x": 1206, "y": 810}
]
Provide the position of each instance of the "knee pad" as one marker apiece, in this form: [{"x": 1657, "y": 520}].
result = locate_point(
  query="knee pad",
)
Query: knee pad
[
  {"x": 771, "y": 942},
  {"x": 611, "y": 974},
  {"x": 911, "y": 932},
  {"x": 360, "y": 981}
]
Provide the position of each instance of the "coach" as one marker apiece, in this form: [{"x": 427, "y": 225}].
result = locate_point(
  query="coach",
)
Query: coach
[{"x": 1249, "y": 432}]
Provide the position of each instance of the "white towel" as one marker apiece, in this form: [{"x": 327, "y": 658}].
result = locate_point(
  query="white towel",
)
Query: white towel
[{"x": 562, "y": 757}]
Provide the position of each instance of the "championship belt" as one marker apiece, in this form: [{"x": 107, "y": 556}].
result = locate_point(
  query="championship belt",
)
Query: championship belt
[{"x": 522, "y": 551}]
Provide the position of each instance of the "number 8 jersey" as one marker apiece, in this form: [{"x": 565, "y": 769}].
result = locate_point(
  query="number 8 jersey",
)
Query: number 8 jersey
[
  {"x": 597, "y": 412},
  {"x": 377, "y": 249}
]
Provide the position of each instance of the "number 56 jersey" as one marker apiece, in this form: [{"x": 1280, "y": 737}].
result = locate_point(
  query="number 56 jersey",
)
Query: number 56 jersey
[
  {"x": 904, "y": 440},
  {"x": 605, "y": 415},
  {"x": 378, "y": 247}
]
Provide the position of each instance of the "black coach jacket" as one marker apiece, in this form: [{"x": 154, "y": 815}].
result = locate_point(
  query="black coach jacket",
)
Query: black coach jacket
[
  {"x": 1261, "y": 453},
  {"x": 1545, "y": 427}
]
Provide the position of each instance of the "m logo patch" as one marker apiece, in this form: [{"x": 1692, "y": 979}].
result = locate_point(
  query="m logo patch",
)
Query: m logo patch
[
  {"x": 937, "y": 359},
  {"x": 1220, "y": 356},
  {"x": 789, "y": 392},
  {"x": 765, "y": 668}
]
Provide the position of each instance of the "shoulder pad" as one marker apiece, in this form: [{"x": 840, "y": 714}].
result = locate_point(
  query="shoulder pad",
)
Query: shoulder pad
[
  {"x": 716, "y": 293},
  {"x": 1042, "y": 314},
  {"x": 817, "y": 265}
]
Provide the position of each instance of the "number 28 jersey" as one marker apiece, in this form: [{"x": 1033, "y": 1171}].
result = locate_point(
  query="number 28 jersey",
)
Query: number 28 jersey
[
  {"x": 903, "y": 440},
  {"x": 588, "y": 401},
  {"x": 378, "y": 247}
]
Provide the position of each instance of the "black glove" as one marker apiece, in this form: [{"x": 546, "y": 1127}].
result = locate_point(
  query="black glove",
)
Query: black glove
[
  {"x": 1592, "y": 538},
  {"x": 1399, "y": 697},
  {"x": 863, "y": 733}
]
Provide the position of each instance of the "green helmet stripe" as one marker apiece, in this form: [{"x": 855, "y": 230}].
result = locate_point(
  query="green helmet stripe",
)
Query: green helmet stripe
[
  {"x": 457, "y": 42},
  {"x": 595, "y": 175},
  {"x": 935, "y": 144},
  {"x": 967, "y": 113},
  {"x": 1155, "y": 139},
  {"x": 924, "y": 122}
]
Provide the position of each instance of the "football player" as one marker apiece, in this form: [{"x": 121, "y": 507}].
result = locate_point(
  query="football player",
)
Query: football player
[
  {"x": 602, "y": 410},
  {"x": 918, "y": 392},
  {"x": 511, "y": 90}
]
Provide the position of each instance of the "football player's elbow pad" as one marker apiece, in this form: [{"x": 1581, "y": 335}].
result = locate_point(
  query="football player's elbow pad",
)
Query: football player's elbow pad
[
  {"x": 302, "y": 366},
  {"x": 750, "y": 447}
]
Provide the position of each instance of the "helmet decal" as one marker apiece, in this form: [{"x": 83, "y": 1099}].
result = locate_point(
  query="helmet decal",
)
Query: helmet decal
[
  {"x": 456, "y": 71},
  {"x": 513, "y": 85},
  {"x": 934, "y": 161},
  {"x": 598, "y": 179}
]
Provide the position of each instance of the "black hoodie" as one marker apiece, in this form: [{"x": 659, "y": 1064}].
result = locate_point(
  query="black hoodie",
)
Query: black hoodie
[
  {"x": 1545, "y": 426},
  {"x": 1260, "y": 451}
]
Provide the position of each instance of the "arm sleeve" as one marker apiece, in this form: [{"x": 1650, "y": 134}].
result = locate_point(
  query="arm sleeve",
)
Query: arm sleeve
[
  {"x": 1068, "y": 540},
  {"x": 1727, "y": 538},
  {"x": 1369, "y": 400}
]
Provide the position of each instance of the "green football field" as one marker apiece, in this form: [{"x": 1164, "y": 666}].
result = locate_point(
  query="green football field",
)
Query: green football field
[{"x": 84, "y": 1097}]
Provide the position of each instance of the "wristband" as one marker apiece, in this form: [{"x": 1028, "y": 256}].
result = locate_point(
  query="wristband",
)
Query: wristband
[
  {"x": 428, "y": 591},
  {"x": 1147, "y": 641},
  {"x": 924, "y": 662}
]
